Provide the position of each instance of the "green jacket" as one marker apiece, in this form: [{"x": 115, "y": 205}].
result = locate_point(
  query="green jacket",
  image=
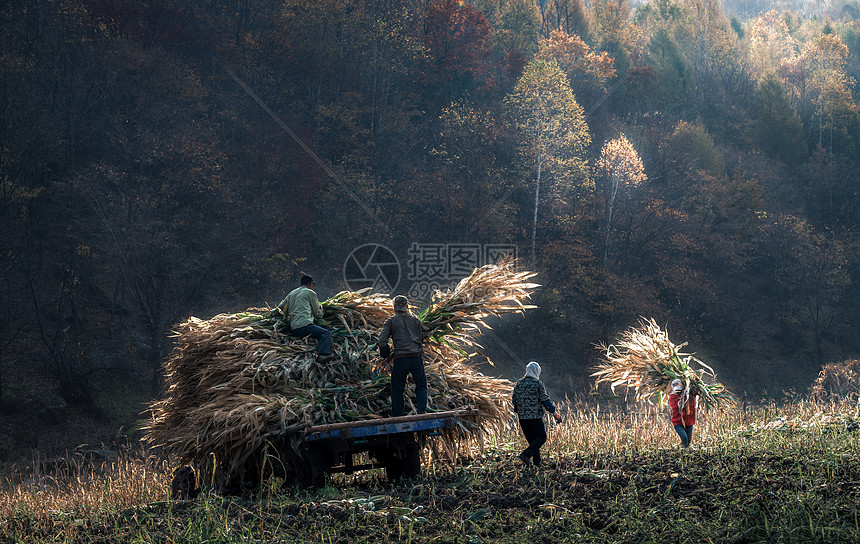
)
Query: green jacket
[{"x": 301, "y": 305}]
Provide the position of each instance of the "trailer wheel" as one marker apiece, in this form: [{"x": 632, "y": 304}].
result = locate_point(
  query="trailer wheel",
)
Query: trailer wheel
[
  {"x": 307, "y": 471},
  {"x": 393, "y": 467},
  {"x": 184, "y": 484},
  {"x": 412, "y": 460},
  {"x": 311, "y": 474},
  {"x": 403, "y": 460}
]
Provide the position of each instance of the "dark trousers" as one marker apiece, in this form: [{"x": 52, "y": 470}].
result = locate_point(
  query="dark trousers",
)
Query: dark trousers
[
  {"x": 321, "y": 334},
  {"x": 535, "y": 433},
  {"x": 402, "y": 367},
  {"x": 686, "y": 434}
]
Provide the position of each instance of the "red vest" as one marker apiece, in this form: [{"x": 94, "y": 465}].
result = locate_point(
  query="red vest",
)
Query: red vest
[{"x": 684, "y": 417}]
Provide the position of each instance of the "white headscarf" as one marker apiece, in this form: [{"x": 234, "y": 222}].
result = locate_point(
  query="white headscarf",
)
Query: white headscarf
[{"x": 532, "y": 370}]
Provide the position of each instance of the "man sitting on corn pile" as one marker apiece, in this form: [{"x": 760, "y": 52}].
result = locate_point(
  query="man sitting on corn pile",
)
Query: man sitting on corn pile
[
  {"x": 305, "y": 313},
  {"x": 406, "y": 333}
]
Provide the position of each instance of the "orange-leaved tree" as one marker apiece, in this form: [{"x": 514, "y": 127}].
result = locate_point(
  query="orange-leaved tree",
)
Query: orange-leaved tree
[
  {"x": 586, "y": 70},
  {"x": 619, "y": 167}
]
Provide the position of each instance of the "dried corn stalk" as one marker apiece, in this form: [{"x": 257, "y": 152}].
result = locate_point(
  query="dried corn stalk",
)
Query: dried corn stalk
[
  {"x": 646, "y": 361},
  {"x": 838, "y": 380}
]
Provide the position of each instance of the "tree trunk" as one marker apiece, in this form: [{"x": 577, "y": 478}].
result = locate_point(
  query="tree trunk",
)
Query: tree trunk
[
  {"x": 534, "y": 221},
  {"x": 613, "y": 191}
]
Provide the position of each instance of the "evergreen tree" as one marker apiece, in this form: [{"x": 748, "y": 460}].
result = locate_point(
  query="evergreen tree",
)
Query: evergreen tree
[
  {"x": 674, "y": 89},
  {"x": 777, "y": 126}
]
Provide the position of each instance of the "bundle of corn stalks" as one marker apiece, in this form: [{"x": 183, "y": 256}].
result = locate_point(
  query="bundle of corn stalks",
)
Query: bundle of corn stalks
[
  {"x": 838, "y": 380},
  {"x": 237, "y": 382},
  {"x": 488, "y": 291},
  {"x": 646, "y": 361}
]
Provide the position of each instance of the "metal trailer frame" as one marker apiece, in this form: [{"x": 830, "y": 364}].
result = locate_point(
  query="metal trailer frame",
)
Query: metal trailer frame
[{"x": 391, "y": 443}]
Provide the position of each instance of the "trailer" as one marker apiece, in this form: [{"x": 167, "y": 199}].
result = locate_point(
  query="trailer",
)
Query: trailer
[{"x": 392, "y": 443}]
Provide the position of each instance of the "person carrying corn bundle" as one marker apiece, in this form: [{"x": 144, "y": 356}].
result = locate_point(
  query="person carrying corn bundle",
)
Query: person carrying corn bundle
[
  {"x": 530, "y": 400},
  {"x": 407, "y": 335},
  {"x": 305, "y": 313},
  {"x": 683, "y": 412}
]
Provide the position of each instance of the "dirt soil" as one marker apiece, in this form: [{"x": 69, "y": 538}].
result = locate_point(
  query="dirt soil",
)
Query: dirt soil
[{"x": 691, "y": 496}]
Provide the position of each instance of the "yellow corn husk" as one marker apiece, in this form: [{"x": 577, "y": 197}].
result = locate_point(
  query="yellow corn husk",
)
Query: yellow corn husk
[{"x": 645, "y": 361}]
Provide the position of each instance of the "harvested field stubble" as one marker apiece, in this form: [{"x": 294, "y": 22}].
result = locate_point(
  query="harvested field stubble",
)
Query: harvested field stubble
[{"x": 609, "y": 477}]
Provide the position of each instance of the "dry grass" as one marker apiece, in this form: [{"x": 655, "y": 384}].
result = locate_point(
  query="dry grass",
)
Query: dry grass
[
  {"x": 592, "y": 431},
  {"x": 82, "y": 490},
  {"x": 74, "y": 487},
  {"x": 609, "y": 429}
]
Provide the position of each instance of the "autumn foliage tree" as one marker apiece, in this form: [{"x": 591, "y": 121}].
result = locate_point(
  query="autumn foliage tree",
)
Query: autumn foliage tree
[
  {"x": 516, "y": 37},
  {"x": 810, "y": 270},
  {"x": 569, "y": 16},
  {"x": 611, "y": 28},
  {"x": 469, "y": 182},
  {"x": 457, "y": 39},
  {"x": 686, "y": 152},
  {"x": 553, "y": 128},
  {"x": 770, "y": 42},
  {"x": 829, "y": 90},
  {"x": 587, "y": 71},
  {"x": 619, "y": 168}
]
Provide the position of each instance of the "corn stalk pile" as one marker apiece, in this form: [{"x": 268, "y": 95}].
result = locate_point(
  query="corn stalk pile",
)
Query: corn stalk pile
[
  {"x": 838, "y": 380},
  {"x": 237, "y": 382},
  {"x": 646, "y": 361}
]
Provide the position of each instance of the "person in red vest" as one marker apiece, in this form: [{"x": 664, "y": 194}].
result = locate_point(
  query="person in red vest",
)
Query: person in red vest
[{"x": 683, "y": 408}]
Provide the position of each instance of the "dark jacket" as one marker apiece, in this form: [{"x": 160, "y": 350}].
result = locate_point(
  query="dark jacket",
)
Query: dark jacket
[
  {"x": 406, "y": 332},
  {"x": 531, "y": 399}
]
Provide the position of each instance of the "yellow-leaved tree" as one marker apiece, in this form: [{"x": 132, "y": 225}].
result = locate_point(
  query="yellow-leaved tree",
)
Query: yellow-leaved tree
[
  {"x": 553, "y": 131},
  {"x": 829, "y": 87},
  {"x": 770, "y": 43}
]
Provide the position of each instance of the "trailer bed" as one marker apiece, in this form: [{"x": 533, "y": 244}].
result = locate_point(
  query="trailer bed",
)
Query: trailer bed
[{"x": 387, "y": 426}]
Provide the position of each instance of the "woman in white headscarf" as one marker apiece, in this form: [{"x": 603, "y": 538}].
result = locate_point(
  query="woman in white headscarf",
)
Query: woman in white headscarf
[{"x": 530, "y": 401}]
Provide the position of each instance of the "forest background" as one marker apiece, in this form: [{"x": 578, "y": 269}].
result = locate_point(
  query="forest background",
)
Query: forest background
[{"x": 692, "y": 161}]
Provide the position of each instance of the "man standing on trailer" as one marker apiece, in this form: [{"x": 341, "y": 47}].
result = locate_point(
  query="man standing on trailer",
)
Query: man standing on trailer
[
  {"x": 407, "y": 334},
  {"x": 304, "y": 310}
]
